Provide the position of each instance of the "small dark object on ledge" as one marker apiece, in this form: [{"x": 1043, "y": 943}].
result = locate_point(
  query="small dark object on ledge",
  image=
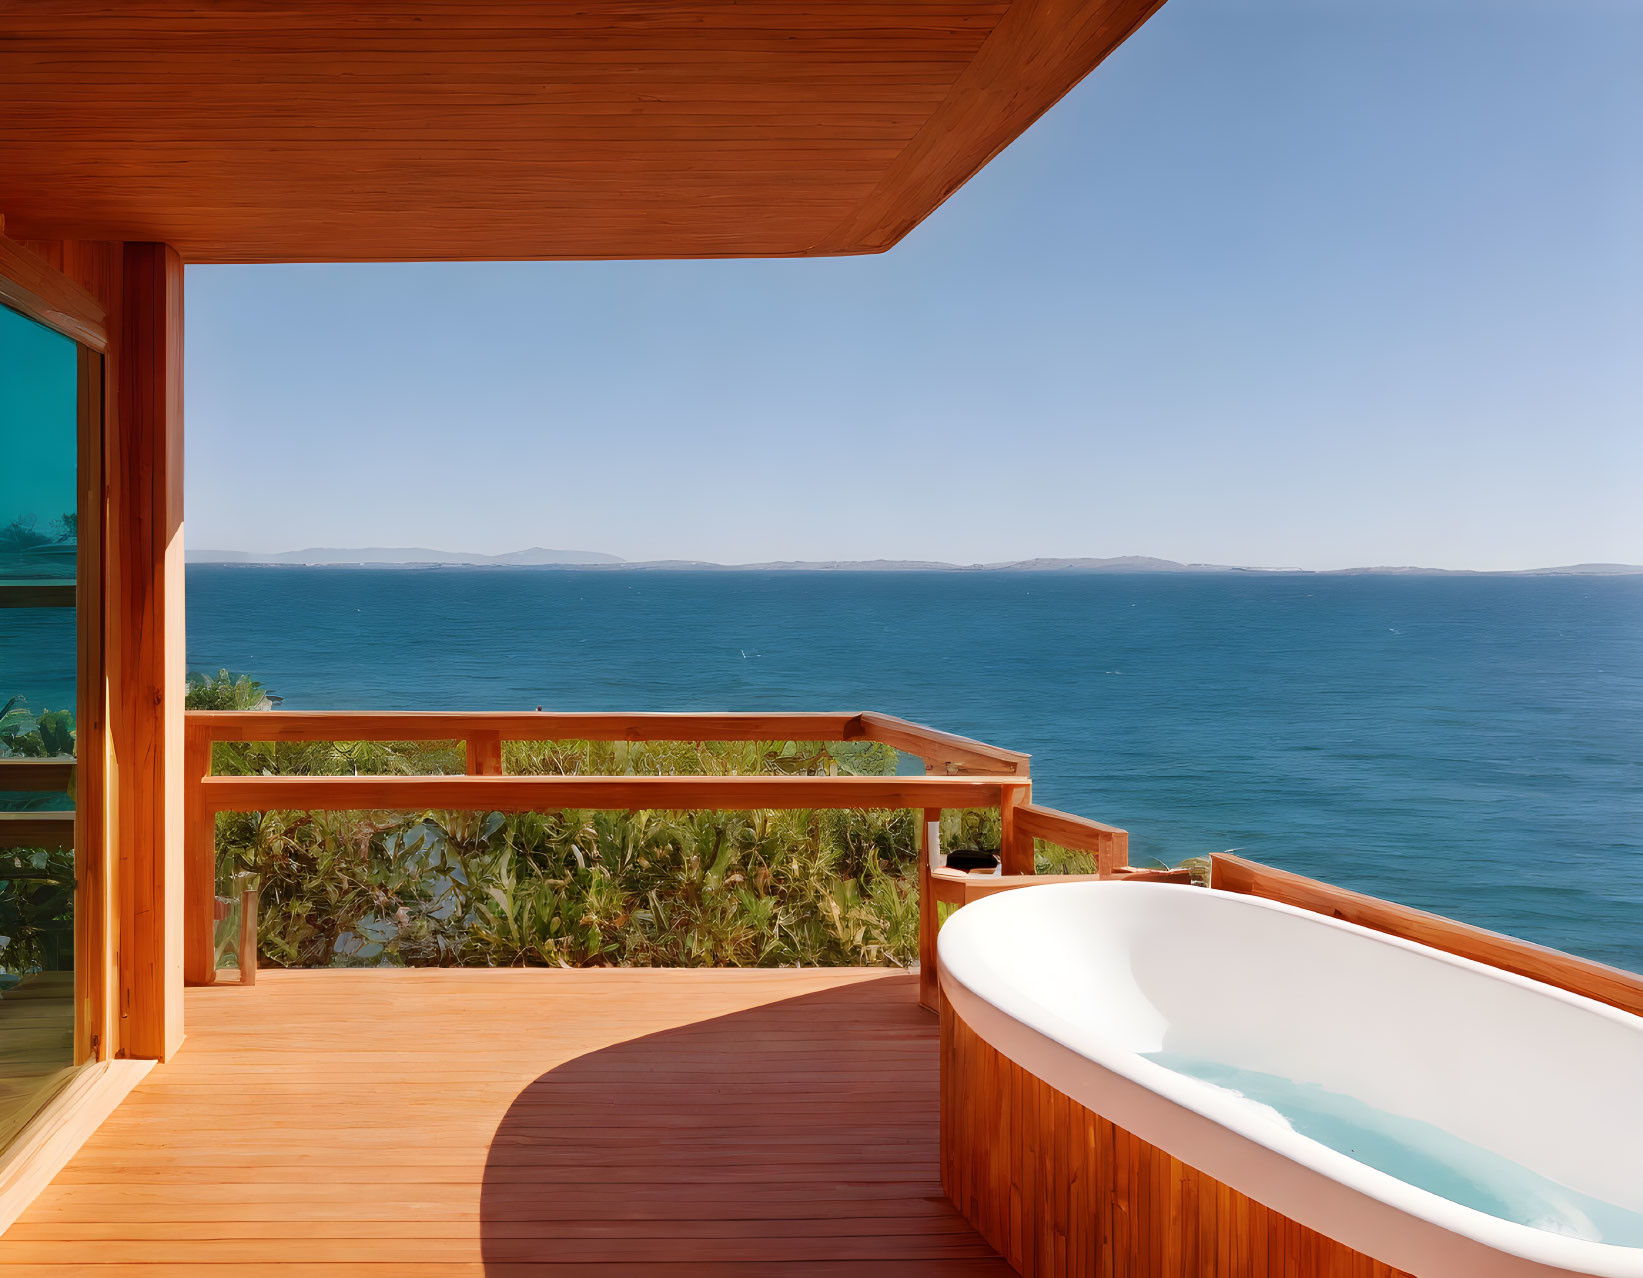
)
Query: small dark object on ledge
[{"x": 970, "y": 859}]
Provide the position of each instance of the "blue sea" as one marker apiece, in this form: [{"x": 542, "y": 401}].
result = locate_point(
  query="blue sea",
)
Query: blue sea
[{"x": 1471, "y": 745}]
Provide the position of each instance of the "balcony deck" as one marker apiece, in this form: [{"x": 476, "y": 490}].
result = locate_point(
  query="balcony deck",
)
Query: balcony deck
[{"x": 605, "y": 1121}]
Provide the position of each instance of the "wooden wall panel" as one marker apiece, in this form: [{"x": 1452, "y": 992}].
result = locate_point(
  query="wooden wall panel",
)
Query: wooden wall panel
[
  {"x": 146, "y": 647},
  {"x": 1060, "y": 1191}
]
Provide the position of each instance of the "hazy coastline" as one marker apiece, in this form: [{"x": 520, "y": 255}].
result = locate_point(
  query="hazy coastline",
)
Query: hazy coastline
[{"x": 539, "y": 557}]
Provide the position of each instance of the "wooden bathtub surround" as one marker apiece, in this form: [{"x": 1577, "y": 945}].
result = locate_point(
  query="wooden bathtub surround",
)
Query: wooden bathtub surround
[
  {"x": 1553, "y": 967},
  {"x": 1060, "y": 1191},
  {"x": 956, "y": 887}
]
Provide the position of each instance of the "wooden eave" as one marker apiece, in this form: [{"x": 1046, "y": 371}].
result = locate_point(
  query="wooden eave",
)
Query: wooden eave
[{"x": 328, "y": 130}]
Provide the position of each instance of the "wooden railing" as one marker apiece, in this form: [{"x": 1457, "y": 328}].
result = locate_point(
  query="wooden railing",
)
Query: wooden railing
[{"x": 959, "y": 773}]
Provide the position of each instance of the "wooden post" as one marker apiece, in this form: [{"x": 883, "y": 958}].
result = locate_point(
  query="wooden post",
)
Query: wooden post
[
  {"x": 929, "y": 989},
  {"x": 248, "y": 936},
  {"x": 145, "y": 657},
  {"x": 1114, "y": 853},
  {"x": 199, "y": 864},
  {"x": 484, "y": 754},
  {"x": 1015, "y": 847}
]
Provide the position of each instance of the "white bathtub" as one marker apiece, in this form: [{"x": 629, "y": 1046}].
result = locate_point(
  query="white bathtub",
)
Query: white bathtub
[{"x": 1222, "y": 1027}]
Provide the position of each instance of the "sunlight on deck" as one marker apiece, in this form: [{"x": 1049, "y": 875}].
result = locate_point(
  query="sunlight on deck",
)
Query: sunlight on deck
[{"x": 608, "y": 1121}]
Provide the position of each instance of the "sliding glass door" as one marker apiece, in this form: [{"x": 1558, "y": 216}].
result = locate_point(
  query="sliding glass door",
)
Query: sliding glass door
[{"x": 42, "y": 402}]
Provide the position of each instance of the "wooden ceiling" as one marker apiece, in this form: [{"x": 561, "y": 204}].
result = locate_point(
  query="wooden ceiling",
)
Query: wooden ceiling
[{"x": 336, "y": 130}]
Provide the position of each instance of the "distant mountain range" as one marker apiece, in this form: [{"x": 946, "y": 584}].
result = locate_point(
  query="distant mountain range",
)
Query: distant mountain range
[
  {"x": 403, "y": 556},
  {"x": 537, "y": 557}
]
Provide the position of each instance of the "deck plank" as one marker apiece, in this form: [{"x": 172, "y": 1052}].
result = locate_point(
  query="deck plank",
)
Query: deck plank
[{"x": 604, "y": 1122}]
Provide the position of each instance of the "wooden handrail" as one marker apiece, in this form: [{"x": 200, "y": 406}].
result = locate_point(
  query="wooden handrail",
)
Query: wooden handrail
[
  {"x": 960, "y": 773},
  {"x": 1109, "y": 845},
  {"x": 954, "y": 754},
  {"x": 940, "y": 751},
  {"x": 1538, "y": 962},
  {"x": 556, "y": 793},
  {"x": 325, "y": 725}
]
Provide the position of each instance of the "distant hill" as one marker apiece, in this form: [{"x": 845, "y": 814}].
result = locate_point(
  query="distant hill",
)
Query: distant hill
[{"x": 537, "y": 557}]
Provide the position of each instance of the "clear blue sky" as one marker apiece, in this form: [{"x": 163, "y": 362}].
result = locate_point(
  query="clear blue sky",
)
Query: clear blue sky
[{"x": 1285, "y": 282}]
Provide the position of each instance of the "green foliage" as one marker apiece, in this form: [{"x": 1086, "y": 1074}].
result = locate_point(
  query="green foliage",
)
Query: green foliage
[
  {"x": 36, "y": 884},
  {"x": 222, "y": 691},
  {"x": 575, "y": 888},
  {"x": 25, "y": 735},
  {"x": 36, "y": 910}
]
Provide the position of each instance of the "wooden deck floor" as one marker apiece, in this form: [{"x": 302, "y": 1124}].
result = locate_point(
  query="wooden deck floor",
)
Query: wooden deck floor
[{"x": 511, "y": 1122}]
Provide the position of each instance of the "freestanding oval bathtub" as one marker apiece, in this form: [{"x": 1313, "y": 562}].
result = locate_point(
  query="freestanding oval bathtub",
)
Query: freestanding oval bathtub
[{"x": 1440, "y": 1116}]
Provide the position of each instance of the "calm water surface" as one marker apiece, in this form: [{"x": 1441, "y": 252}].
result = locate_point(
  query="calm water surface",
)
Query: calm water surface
[{"x": 1469, "y": 745}]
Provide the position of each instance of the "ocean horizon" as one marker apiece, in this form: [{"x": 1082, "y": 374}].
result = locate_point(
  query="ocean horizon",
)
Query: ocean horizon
[{"x": 1467, "y": 745}]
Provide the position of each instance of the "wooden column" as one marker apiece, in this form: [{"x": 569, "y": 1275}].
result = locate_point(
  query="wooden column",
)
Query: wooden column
[{"x": 146, "y": 674}]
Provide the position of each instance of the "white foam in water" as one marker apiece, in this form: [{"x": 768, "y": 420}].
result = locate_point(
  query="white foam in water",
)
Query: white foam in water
[{"x": 1418, "y": 1153}]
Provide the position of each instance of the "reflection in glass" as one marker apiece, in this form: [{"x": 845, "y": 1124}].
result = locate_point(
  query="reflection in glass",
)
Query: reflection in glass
[{"x": 39, "y": 455}]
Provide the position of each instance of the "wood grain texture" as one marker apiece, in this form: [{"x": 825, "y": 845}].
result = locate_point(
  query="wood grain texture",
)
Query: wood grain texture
[
  {"x": 557, "y": 793},
  {"x": 94, "y": 962},
  {"x": 484, "y": 754},
  {"x": 943, "y": 751},
  {"x": 929, "y": 919},
  {"x": 199, "y": 864},
  {"x": 1109, "y": 845},
  {"x": 1039, "y": 50},
  {"x": 322, "y": 725},
  {"x": 145, "y": 648},
  {"x": 947, "y": 753},
  {"x": 31, "y": 285},
  {"x": 53, "y": 1135},
  {"x": 612, "y": 1122},
  {"x": 1060, "y": 1191},
  {"x": 506, "y": 129},
  {"x": 1577, "y": 975}
]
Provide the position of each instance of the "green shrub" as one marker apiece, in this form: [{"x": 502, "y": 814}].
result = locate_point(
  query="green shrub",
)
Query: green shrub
[{"x": 573, "y": 888}]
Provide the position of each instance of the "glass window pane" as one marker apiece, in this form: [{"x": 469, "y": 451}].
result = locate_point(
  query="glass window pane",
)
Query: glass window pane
[{"x": 39, "y": 456}]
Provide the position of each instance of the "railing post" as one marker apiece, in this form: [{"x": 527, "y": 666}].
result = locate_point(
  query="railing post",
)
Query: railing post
[
  {"x": 199, "y": 864},
  {"x": 1113, "y": 853},
  {"x": 248, "y": 936},
  {"x": 484, "y": 754},
  {"x": 929, "y": 846},
  {"x": 1015, "y": 848}
]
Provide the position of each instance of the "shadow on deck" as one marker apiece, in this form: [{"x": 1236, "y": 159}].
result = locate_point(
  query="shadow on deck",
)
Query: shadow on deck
[{"x": 511, "y": 1122}]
